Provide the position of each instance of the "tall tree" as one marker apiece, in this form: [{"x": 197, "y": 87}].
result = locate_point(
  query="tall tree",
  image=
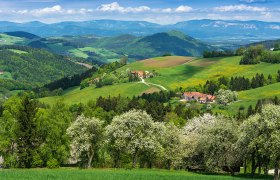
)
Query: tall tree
[{"x": 26, "y": 132}]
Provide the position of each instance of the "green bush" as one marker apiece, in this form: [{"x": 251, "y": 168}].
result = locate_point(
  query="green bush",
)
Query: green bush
[
  {"x": 37, "y": 161},
  {"x": 52, "y": 164}
]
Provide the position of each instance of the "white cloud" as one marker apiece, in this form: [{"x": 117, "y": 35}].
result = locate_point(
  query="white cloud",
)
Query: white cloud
[
  {"x": 182, "y": 9},
  {"x": 48, "y": 10},
  {"x": 57, "y": 9},
  {"x": 116, "y": 7},
  {"x": 240, "y": 7},
  {"x": 253, "y": 1}
]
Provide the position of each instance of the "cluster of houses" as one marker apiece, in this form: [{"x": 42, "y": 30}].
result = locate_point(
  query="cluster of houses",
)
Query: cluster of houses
[{"x": 198, "y": 97}]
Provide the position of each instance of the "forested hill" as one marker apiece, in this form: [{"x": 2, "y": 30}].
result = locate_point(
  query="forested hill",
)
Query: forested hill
[
  {"x": 102, "y": 50},
  {"x": 24, "y": 67},
  {"x": 22, "y": 34},
  {"x": 173, "y": 42}
]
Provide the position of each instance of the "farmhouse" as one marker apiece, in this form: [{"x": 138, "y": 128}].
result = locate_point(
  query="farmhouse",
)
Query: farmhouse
[
  {"x": 199, "y": 97},
  {"x": 141, "y": 74}
]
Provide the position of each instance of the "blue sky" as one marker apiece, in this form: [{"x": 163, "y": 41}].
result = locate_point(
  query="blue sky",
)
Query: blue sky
[{"x": 158, "y": 11}]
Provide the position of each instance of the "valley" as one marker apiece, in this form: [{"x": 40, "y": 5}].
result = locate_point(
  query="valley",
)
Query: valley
[{"x": 139, "y": 89}]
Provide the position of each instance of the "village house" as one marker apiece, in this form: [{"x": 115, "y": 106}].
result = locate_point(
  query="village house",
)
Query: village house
[
  {"x": 141, "y": 74},
  {"x": 199, "y": 97},
  {"x": 93, "y": 81},
  {"x": 1, "y": 72}
]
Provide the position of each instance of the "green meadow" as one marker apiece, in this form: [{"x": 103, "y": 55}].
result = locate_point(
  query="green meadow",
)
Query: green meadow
[
  {"x": 75, "y": 95},
  {"x": 188, "y": 74},
  {"x": 200, "y": 70},
  {"x": 113, "y": 174}
]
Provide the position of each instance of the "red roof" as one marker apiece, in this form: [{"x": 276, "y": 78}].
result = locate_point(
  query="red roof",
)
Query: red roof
[
  {"x": 198, "y": 95},
  {"x": 141, "y": 73}
]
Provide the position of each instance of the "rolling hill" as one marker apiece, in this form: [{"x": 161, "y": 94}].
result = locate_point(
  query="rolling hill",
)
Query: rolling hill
[
  {"x": 108, "y": 49},
  {"x": 175, "y": 72},
  {"x": 267, "y": 44},
  {"x": 24, "y": 68}
]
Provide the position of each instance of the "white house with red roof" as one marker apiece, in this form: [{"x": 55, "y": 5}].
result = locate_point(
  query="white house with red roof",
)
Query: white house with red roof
[{"x": 199, "y": 97}]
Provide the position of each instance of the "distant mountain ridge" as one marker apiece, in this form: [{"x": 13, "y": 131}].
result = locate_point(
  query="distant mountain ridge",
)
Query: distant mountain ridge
[
  {"x": 107, "y": 49},
  {"x": 201, "y": 29}
]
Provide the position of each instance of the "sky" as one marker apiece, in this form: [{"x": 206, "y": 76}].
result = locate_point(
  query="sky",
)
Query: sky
[{"x": 156, "y": 11}]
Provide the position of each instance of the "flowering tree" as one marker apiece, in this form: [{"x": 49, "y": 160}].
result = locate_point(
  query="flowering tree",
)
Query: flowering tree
[
  {"x": 172, "y": 142},
  {"x": 209, "y": 142},
  {"x": 225, "y": 97},
  {"x": 260, "y": 133},
  {"x": 194, "y": 133},
  {"x": 87, "y": 136},
  {"x": 133, "y": 132}
]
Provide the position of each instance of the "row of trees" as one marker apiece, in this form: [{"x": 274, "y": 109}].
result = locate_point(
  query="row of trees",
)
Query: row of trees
[
  {"x": 256, "y": 54},
  {"x": 211, "y": 54},
  {"x": 237, "y": 83},
  {"x": 32, "y": 135}
]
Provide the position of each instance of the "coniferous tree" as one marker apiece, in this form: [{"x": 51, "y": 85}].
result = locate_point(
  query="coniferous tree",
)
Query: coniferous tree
[{"x": 26, "y": 132}]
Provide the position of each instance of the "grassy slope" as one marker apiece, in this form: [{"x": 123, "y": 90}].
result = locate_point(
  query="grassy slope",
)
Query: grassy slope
[
  {"x": 75, "y": 95},
  {"x": 11, "y": 40},
  {"x": 200, "y": 70},
  {"x": 192, "y": 73},
  {"x": 110, "y": 174},
  {"x": 250, "y": 97}
]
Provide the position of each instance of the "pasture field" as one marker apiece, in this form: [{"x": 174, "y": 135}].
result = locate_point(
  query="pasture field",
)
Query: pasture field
[
  {"x": 6, "y": 75},
  {"x": 250, "y": 97},
  {"x": 198, "y": 71},
  {"x": 18, "y": 51},
  {"x": 114, "y": 174},
  {"x": 84, "y": 53},
  {"x": 75, "y": 95},
  {"x": 178, "y": 71},
  {"x": 11, "y": 40}
]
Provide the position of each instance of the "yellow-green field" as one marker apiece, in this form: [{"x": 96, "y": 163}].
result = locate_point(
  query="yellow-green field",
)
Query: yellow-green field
[
  {"x": 198, "y": 71},
  {"x": 75, "y": 95},
  {"x": 181, "y": 71}
]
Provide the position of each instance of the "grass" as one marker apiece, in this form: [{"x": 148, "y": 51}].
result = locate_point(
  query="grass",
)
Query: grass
[
  {"x": 187, "y": 74},
  {"x": 10, "y": 40},
  {"x": 112, "y": 174},
  {"x": 200, "y": 70},
  {"x": 18, "y": 51},
  {"x": 83, "y": 52},
  {"x": 250, "y": 97},
  {"x": 6, "y": 75},
  {"x": 75, "y": 95}
]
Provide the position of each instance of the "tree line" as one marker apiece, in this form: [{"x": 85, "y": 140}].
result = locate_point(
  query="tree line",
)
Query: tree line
[
  {"x": 257, "y": 54},
  {"x": 237, "y": 83}
]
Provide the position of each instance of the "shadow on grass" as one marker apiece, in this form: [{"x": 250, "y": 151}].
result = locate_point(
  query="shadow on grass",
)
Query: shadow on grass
[{"x": 241, "y": 176}]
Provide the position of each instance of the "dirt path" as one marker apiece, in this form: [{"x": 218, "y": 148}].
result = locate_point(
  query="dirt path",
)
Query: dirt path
[{"x": 148, "y": 84}]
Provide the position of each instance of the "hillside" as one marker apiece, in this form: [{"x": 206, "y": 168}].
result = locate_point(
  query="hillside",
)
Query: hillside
[
  {"x": 174, "y": 42},
  {"x": 267, "y": 44},
  {"x": 24, "y": 67},
  {"x": 175, "y": 72},
  {"x": 22, "y": 34},
  {"x": 108, "y": 49}
]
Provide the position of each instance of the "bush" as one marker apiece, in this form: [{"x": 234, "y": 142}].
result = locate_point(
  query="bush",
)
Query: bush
[
  {"x": 52, "y": 164},
  {"x": 37, "y": 161}
]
